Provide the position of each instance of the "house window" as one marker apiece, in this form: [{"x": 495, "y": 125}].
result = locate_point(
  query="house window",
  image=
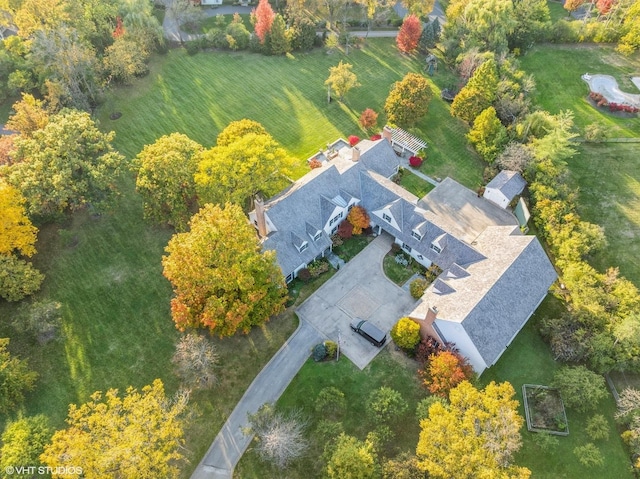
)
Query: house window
[
  {"x": 303, "y": 246},
  {"x": 386, "y": 217},
  {"x": 436, "y": 248},
  {"x": 416, "y": 235},
  {"x": 317, "y": 236},
  {"x": 406, "y": 247},
  {"x": 289, "y": 278},
  {"x": 335, "y": 218},
  {"x": 333, "y": 231},
  {"x": 255, "y": 222}
]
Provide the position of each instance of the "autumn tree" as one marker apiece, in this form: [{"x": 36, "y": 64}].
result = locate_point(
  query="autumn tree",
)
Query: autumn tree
[
  {"x": 406, "y": 333},
  {"x": 419, "y": 8},
  {"x": 17, "y": 234},
  {"x": 23, "y": 441},
  {"x": 368, "y": 119},
  {"x": 341, "y": 79},
  {"x": 241, "y": 165},
  {"x": 488, "y": 135},
  {"x": 573, "y": 5},
  {"x": 280, "y": 437},
  {"x": 403, "y": 466},
  {"x": 478, "y": 93},
  {"x": 630, "y": 41},
  {"x": 408, "y": 100},
  {"x": 264, "y": 16},
  {"x": 446, "y": 370},
  {"x": 352, "y": 459},
  {"x": 195, "y": 361},
  {"x": 221, "y": 279},
  {"x": 359, "y": 218},
  {"x": 515, "y": 157},
  {"x": 15, "y": 378},
  {"x": 532, "y": 21},
  {"x": 138, "y": 435},
  {"x": 123, "y": 61},
  {"x": 409, "y": 34},
  {"x": 65, "y": 165},
  {"x": 165, "y": 179},
  {"x": 29, "y": 115},
  {"x": 474, "y": 436}
]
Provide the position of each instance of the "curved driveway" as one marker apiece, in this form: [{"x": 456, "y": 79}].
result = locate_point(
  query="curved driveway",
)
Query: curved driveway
[{"x": 359, "y": 289}]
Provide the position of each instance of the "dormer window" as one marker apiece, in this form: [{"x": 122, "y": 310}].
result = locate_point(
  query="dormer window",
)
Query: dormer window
[
  {"x": 317, "y": 236},
  {"x": 436, "y": 248},
  {"x": 416, "y": 235},
  {"x": 386, "y": 217},
  {"x": 303, "y": 247}
]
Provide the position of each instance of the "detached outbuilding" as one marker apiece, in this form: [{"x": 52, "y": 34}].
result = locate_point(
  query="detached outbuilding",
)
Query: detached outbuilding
[{"x": 504, "y": 188}]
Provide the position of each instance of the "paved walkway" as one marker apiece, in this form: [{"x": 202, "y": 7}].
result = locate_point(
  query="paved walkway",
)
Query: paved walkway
[
  {"x": 404, "y": 162},
  {"x": 228, "y": 447}
]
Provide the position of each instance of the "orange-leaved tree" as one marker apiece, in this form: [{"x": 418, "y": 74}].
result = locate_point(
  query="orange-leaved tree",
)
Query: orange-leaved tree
[
  {"x": 445, "y": 371},
  {"x": 359, "y": 218},
  {"x": 221, "y": 279},
  {"x": 409, "y": 34},
  {"x": 263, "y": 16}
]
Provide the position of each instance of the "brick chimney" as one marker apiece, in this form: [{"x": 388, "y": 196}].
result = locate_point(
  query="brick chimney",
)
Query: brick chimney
[
  {"x": 355, "y": 154},
  {"x": 260, "y": 217},
  {"x": 386, "y": 133},
  {"x": 431, "y": 315}
]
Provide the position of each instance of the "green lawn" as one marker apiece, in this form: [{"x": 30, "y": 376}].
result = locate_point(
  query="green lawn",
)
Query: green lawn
[
  {"x": 528, "y": 361},
  {"x": 397, "y": 273},
  {"x": 561, "y": 88},
  {"x": 608, "y": 176},
  {"x": 287, "y": 96},
  {"x": 351, "y": 247},
  {"x": 390, "y": 368},
  {"x": 557, "y": 10},
  {"x": 415, "y": 184}
]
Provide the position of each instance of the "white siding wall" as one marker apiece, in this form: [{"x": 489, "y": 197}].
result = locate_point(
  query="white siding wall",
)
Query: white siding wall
[
  {"x": 453, "y": 332},
  {"x": 414, "y": 254},
  {"x": 328, "y": 228},
  {"x": 495, "y": 196}
]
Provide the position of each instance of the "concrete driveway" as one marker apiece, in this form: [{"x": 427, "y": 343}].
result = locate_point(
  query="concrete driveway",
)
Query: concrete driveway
[{"x": 359, "y": 290}]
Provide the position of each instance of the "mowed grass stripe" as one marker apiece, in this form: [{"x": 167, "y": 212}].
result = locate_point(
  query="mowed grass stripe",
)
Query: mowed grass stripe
[{"x": 200, "y": 95}]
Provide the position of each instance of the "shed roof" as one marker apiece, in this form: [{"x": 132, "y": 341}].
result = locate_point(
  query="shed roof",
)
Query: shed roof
[{"x": 509, "y": 183}]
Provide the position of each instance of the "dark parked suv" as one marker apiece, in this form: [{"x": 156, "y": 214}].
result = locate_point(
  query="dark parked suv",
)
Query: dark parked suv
[{"x": 369, "y": 331}]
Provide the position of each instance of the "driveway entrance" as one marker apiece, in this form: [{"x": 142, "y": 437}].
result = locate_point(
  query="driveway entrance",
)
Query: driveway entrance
[{"x": 359, "y": 290}]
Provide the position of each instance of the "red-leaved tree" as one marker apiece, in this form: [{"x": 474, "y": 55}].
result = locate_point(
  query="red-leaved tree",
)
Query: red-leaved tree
[
  {"x": 264, "y": 16},
  {"x": 354, "y": 140},
  {"x": 409, "y": 34},
  {"x": 604, "y": 6},
  {"x": 368, "y": 119},
  {"x": 119, "y": 31},
  {"x": 445, "y": 371}
]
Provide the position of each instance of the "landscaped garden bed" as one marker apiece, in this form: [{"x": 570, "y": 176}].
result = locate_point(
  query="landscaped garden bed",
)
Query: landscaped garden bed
[
  {"x": 544, "y": 410},
  {"x": 399, "y": 267}
]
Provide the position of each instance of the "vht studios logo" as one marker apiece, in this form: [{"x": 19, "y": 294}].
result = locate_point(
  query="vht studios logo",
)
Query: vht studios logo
[{"x": 60, "y": 471}]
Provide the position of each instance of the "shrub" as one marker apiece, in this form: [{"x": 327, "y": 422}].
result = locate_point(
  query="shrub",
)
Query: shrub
[
  {"x": 304, "y": 275},
  {"x": 315, "y": 163},
  {"x": 598, "y": 427},
  {"x": 426, "y": 348},
  {"x": 546, "y": 441},
  {"x": 328, "y": 430},
  {"x": 422, "y": 410},
  {"x": 42, "y": 318},
  {"x": 332, "y": 349},
  {"x": 581, "y": 389},
  {"x": 415, "y": 161},
  {"x": 401, "y": 259},
  {"x": 376, "y": 137},
  {"x": 354, "y": 140},
  {"x": 195, "y": 360},
  {"x": 318, "y": 267},
  {"x": 319, "y": 352},
  {"x": 589, "y": 455},
  {"x": 337, "y": 240},
  {"x": 417, "y": 287},
  {"x": 395, "y": 248},
  {"x": 595, "y": 133},
  {"x": 345, "y": 230},
  {"x": 386, "y": 404},
  {"x": 406, "y": 334},
  {"x": 330, "y": 401}
]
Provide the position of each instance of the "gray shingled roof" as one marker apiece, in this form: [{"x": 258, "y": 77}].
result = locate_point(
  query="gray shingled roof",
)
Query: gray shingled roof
[
  {"x": 307, "y": 205},
  {"x": 509, "y": 183},
  {"x": 506, "y": 307}
]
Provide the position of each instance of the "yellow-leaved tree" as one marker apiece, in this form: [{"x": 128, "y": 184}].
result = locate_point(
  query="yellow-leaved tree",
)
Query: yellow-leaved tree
[
  {"x": 474, "y": 436},
  {"x": 17, "y": 234},
  {"x": 135, "y": 436}
]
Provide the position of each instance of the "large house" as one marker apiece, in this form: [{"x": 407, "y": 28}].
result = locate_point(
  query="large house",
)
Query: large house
[{"x": 493, "y": 276}]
